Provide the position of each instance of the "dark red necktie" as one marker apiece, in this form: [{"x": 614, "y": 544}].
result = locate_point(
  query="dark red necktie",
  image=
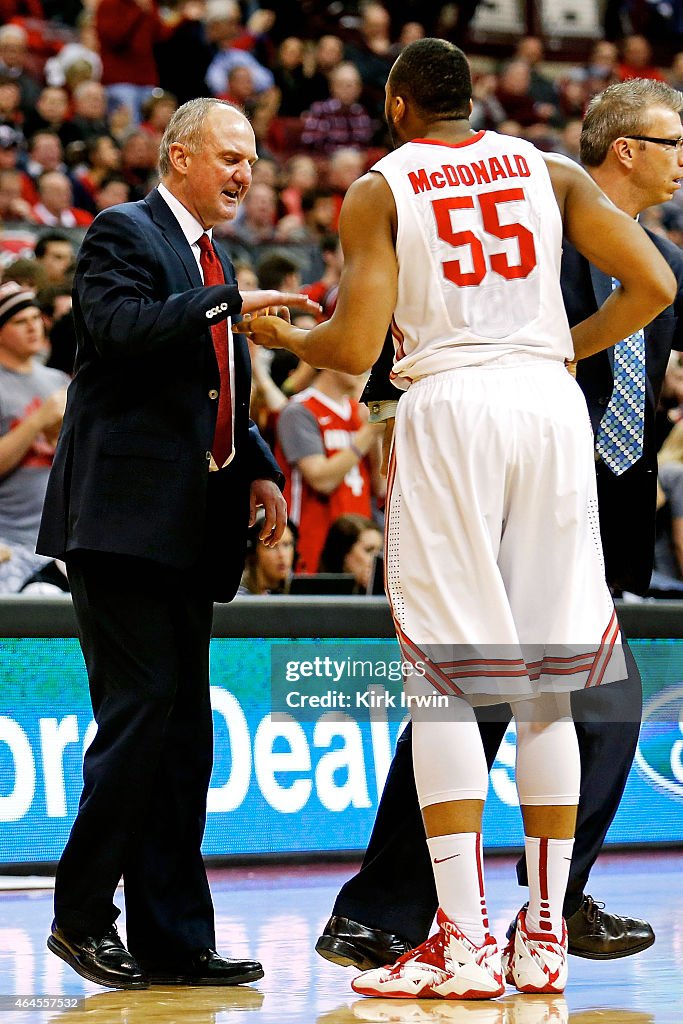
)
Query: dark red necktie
[{"x": 213, "y": 274}]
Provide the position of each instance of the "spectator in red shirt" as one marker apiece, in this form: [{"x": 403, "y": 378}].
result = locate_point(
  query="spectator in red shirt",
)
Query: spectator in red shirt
[
  {"x": 45, "y": 154},
  {"x": 636, "y": 54},
  {"x": 128, "y": 31},
  {"x": 54, "y": 206},
  {"x": 324, "y": 447}
]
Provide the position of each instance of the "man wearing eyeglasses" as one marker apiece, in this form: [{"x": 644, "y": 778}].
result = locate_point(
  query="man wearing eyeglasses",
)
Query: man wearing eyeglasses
[{"x": 632, "y": 146}]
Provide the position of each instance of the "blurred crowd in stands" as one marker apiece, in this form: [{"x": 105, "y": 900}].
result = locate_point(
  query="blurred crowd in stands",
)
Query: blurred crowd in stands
[{"x": 87, "y": 88}]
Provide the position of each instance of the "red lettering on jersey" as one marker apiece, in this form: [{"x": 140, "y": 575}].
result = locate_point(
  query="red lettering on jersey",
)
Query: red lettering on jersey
[
  {"x": 499, "y": 262},
  {"x": 522, "y": 166},
  {"x": 437, "y": 179},
  {"x": 419, "y": 181},
  {"x": 480, "y": 172},
  {"x": 508, "y": 166},
  {"x": 496, "y": 170},
  {"x": 451, "y": 174},
  {"x": 466, "y": 176}
]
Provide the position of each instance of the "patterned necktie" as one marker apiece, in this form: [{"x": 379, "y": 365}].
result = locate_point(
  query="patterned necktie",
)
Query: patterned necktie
[
  {"x": 222, "y": 438},
  {"x": 619, "y": 440}
]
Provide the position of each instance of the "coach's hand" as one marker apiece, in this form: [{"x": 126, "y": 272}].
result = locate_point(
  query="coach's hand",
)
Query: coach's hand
[
  {"x": 266, "y": 494},
  {"x": 269, "y": 300}
]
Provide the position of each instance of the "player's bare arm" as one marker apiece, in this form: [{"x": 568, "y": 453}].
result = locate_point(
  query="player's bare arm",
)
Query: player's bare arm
[
  {"x": 352, "y": 339},
  {"x": 617, "y": 245}
]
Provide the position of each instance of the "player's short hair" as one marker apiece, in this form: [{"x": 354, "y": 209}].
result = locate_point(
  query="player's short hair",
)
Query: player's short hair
[
  {"x": 186, "y": 126},
  {"x": 435, "y": 74},
  {"x": 620, "y": 110}
]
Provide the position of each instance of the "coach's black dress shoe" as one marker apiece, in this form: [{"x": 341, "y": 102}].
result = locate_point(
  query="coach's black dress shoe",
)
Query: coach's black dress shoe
[
  {"x": 204, "y": 968},
  {"x": 106, "y": 961},
  {"x": 596, "y": 935},
  {"x": 351, "y": 944}
]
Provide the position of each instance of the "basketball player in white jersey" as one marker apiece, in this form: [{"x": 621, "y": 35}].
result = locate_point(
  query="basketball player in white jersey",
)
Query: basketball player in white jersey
[{"x": 494, "y": 567}]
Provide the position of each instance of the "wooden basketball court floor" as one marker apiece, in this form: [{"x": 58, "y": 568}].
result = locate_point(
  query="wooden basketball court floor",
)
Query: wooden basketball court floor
[{"x": 276, "y": 915}]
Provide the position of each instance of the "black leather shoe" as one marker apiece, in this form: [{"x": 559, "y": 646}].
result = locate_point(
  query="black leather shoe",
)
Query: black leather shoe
[
  {"x": 350, "y": 944},
  {"x": 105, "y": 961},
  {"x": 596, "y": 935},
  {"x": 205, "y": 968}
]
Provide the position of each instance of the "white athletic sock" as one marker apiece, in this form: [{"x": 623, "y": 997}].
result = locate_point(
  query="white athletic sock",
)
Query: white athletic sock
[
  {"x": 547, "y": 865},
  {"x": 459, "y": 876}
]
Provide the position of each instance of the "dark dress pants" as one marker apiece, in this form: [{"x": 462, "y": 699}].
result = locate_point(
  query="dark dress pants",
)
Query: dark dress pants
[
  {"x": 394, "y": 888},
  {"x": 145, "y": 631}
]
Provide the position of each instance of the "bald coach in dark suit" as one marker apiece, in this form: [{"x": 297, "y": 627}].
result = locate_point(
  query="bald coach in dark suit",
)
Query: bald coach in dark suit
[{"x": 152, "y": 523}]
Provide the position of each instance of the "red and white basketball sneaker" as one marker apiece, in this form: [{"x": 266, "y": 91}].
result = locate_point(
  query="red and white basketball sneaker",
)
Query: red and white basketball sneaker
[
  {"x": 535, "y": 961},
  {"x": 446, "y": 966}
]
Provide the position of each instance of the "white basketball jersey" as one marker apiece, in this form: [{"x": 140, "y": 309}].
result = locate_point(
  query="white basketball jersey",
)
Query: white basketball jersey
[{"x": 479, "y": 245}]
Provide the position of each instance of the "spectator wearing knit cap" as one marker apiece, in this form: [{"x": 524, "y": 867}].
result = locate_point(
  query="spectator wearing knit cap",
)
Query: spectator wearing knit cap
[{"x": 32, "y": 399}]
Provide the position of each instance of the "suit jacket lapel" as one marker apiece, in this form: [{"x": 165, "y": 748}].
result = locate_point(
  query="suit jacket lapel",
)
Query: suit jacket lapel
[{"x": 164, "y": 218}]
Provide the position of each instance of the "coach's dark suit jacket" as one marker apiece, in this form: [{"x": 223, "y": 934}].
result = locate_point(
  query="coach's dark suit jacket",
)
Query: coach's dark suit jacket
[
  {"x": 627, "y": 502},
  {"x": 130, "y": 475}
]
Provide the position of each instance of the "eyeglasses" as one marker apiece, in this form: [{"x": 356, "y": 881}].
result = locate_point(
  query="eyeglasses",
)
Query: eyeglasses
[{"x": 677, "y": 143}]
